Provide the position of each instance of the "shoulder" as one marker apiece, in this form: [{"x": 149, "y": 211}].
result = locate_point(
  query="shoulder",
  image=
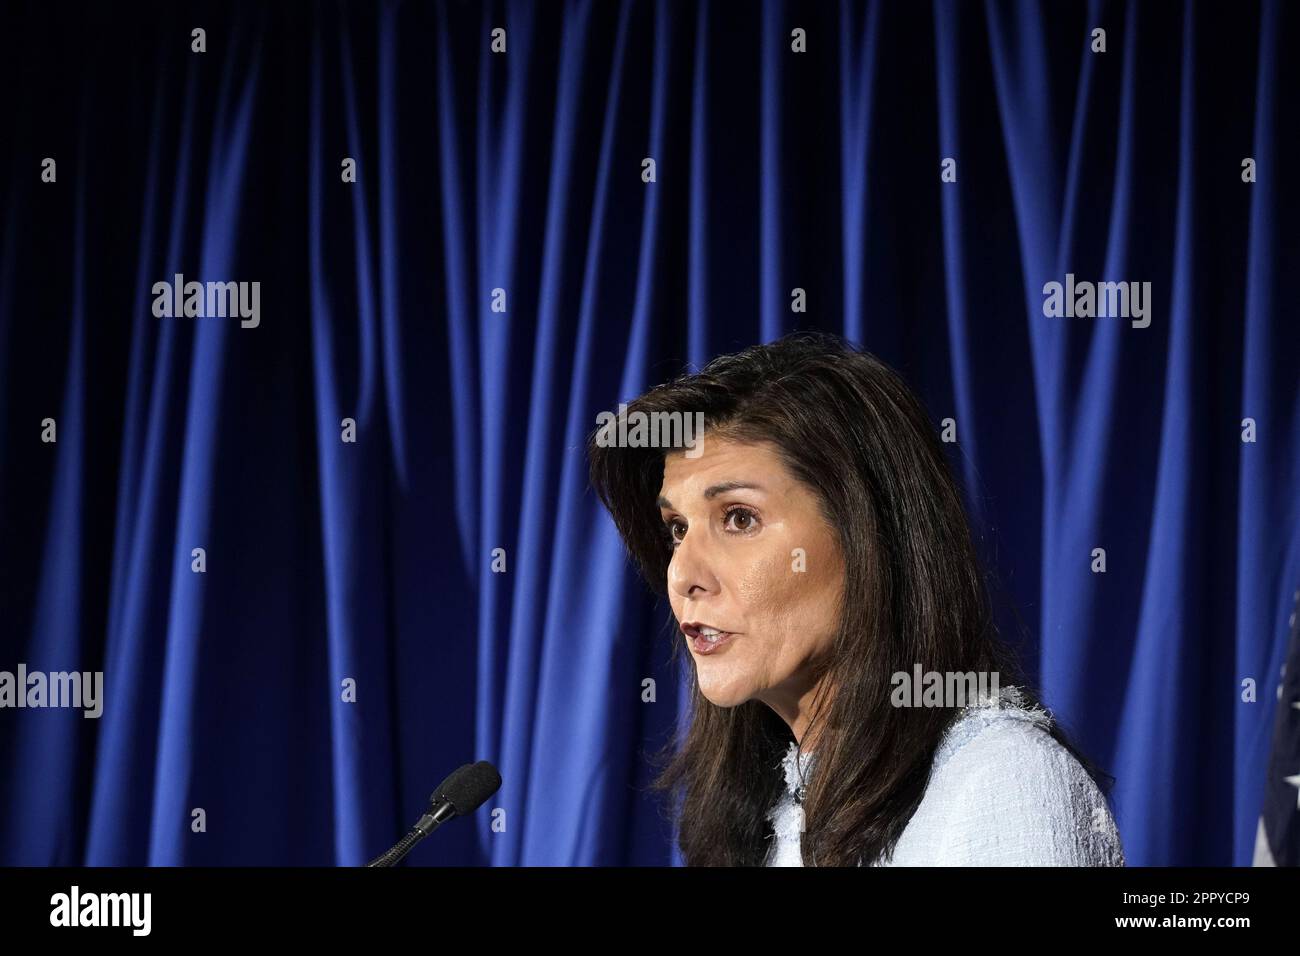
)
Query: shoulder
[{"x": 1011, "y": 795}]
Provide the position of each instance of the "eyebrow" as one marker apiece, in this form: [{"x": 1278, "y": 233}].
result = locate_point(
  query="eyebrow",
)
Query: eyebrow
[{"x": 721, "y": 488}]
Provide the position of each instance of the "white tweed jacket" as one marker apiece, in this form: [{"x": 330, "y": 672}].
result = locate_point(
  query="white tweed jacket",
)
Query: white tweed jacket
[{"x": 1002, "y": 792}]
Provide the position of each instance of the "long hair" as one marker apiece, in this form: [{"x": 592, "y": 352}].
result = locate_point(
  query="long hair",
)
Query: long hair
[{"x": 848, "y": 428}]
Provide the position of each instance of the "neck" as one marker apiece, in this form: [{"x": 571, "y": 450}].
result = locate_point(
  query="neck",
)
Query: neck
[{"x": 797, "y": 707}]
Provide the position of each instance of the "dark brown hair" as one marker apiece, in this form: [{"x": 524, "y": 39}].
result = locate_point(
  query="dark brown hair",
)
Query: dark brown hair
[{"x": 848, "y": 428}]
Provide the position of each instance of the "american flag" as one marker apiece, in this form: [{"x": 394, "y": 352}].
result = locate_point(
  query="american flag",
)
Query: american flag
[{"x": 1277, "y": 841}]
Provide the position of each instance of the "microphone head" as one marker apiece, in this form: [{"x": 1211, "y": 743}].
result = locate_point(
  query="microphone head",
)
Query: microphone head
[{"x": 467, "y": 788}]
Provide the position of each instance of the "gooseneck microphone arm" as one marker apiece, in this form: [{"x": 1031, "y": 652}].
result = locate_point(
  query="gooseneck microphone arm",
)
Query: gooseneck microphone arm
[
  {"x": 423, "y": 827},
  {"x": 463, "y": 792}
]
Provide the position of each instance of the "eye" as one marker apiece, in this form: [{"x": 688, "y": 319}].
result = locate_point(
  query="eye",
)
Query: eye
[
  {"x": 675, "y": 529},
  {"x": 740, "y": 519}
]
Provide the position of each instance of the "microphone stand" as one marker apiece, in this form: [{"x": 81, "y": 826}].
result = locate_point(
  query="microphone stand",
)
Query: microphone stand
[{"x": 434, "y": 818}]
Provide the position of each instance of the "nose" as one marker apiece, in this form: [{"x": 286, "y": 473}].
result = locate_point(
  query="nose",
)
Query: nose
[{"x": 690, "y": 572}]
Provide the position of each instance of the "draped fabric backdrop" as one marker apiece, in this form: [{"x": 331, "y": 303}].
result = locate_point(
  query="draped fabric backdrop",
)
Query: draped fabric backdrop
[{"x": 498, "y": 274}]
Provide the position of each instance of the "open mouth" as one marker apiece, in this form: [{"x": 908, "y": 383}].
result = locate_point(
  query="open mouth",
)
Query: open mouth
[{"x": 704, "y": 638}]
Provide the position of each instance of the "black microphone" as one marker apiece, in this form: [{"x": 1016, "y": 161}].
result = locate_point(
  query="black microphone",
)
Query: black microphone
[{"x": 464, "y": 791}]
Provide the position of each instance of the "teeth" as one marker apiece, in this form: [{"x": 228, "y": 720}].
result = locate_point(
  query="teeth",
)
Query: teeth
[{"x": 710, "y": 632}]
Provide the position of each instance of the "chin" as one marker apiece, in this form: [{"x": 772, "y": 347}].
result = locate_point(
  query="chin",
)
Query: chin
[{"x": 727, "y": 695}]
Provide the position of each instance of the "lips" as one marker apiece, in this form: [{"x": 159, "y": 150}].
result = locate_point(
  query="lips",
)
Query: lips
[{"x": 705, "y": 638}]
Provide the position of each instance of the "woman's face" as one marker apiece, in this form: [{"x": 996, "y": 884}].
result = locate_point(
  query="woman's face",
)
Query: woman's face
[{"x": 755, "y": 558}]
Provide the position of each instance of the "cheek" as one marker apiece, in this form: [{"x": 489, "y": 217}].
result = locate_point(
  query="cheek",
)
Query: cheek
[
  {"x": 764, "y": 583},
  {"x": 772, "y": 589},
  {"x": 787, "y": 602}
]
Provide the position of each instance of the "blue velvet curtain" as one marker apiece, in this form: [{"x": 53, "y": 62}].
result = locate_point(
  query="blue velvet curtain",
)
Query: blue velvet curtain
[{"x": 499, "y": 273}]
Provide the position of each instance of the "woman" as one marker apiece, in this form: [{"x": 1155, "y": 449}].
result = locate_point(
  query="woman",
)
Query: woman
[{"x": 816, "y": 556}]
